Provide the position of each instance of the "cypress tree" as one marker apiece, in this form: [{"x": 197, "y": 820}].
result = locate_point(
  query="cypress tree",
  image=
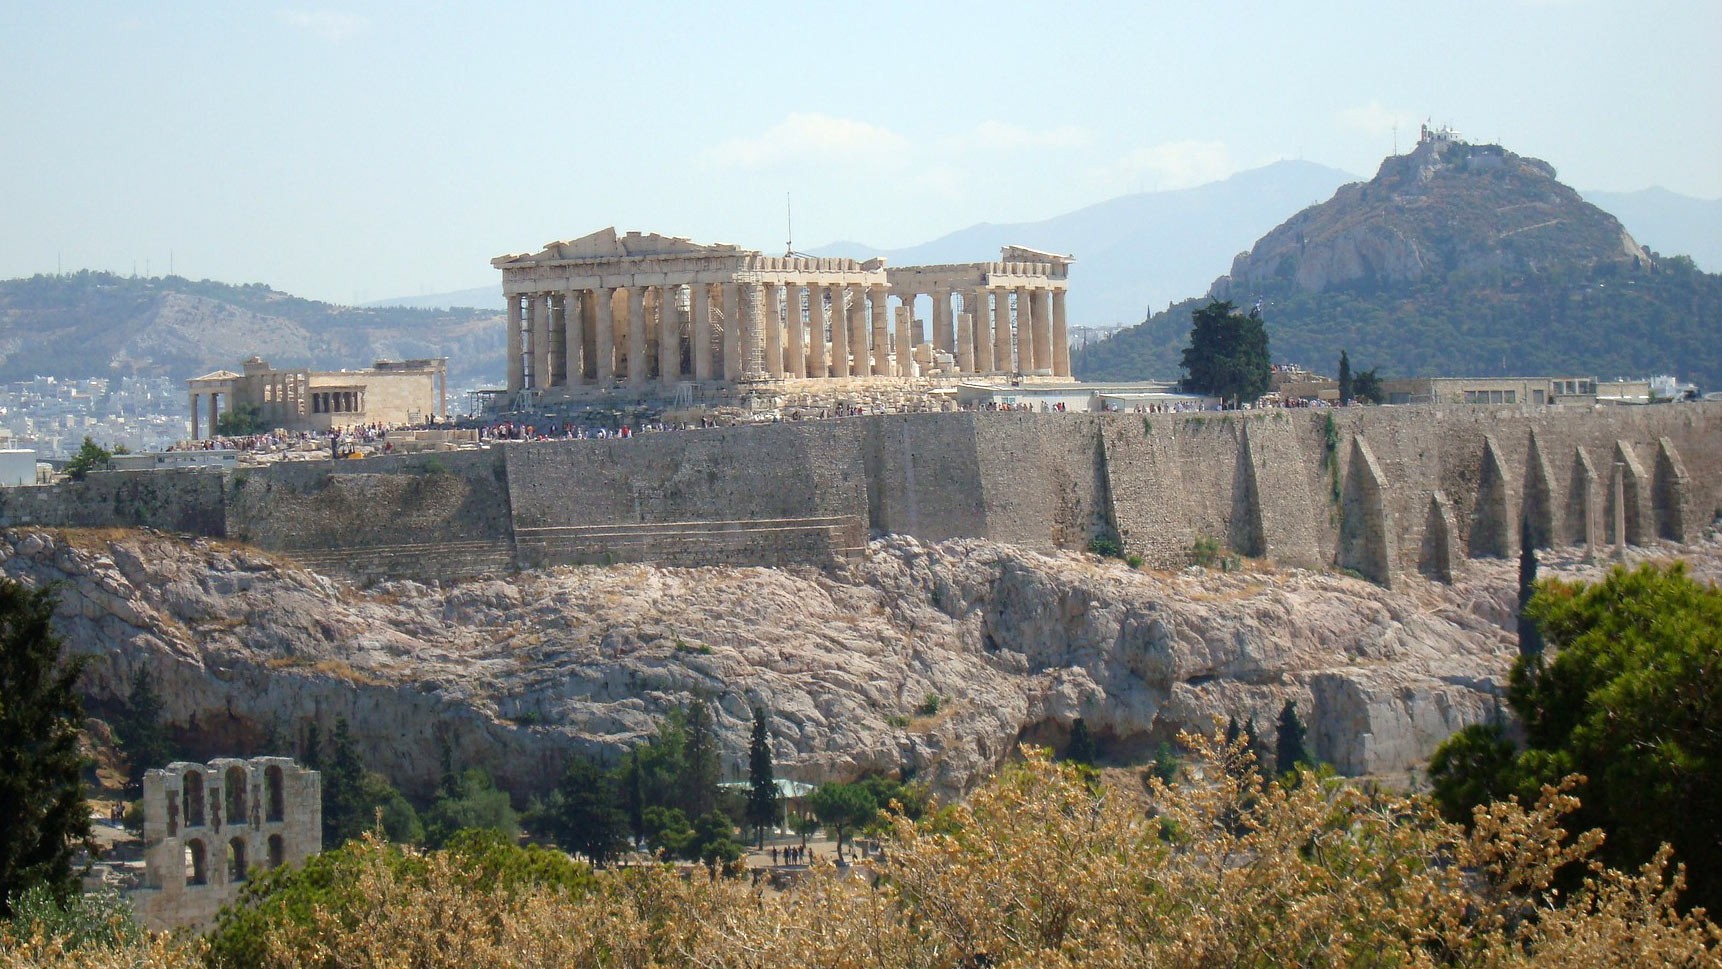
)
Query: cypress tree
[
  {"x": 1344, "y": 378},
  {"x": 43, "y": 817},
  {"x": 140, "y": 730},
  {"x": 1289, "y": 750},
  {"x": 762, "y": 786},
  {"x": 1530, "y": 636},
  {"x": 1081, "y": 749},
  {"x": 700, "y": 765}
]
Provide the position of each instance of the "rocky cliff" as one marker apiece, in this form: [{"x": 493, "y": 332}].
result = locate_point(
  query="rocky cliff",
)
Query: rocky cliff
[{"x": 514, "y": 672}]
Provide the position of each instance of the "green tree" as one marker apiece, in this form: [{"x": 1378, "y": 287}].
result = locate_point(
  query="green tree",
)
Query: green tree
[
  {"x": 1166, "y": 763},
  {"x": 1629, "y": 701},
  {"x": 43, "y": 818},
  {"x": 1530, "y": 637},
  {"x": 90, "y": 457},
  {"x": 1081, "y": 749},
  {"x": 701, "y": 767},
  {"x": 353, "y": 796},
  {"x": 1289, "y": 750},
  {"x": 240, "y": 421},
  {"x": 584, "y": 812},
  {"x": 140, "y": 729},
  {"x": 713, "y": 840},
  {"x": 761, "y": 784},
  {"x": 1344, "y": 377},
  {"x": 476, "y": 804},
  {"x": 842, "y": 808},
  {"x": 1228, "y": 354},
  {"x": 1366, "y": 386}
]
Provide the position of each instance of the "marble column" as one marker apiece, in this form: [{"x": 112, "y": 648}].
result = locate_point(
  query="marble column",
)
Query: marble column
[
  {"x": 700, "y": 329},
  {"x": 942, "y": 319},
  {"x": 817, "y": 321},
  {"x": 1001, "y": 332},
  {"x": 975, "y": 301},
  {"x": 862, "y": 364},
  {"x": 669, "y": 336},
  {"x": 1060, "y": 336},
  {"x": 732, "y": 327},
  {"x": 965, "y": 343},
  {"x": 604, "y": 330},
  {"x": 516, "y": 352},
  {"x": 574, "y": 345},
  {"x": 556, "y": 373},
  {"x": 772, "y": 310},
  {"x": 637, "y": 368},
  {"x": 881, "y": 338},
  {"x": 839, "y": 335},
  {"x": 194, "y": 423},
  {"x": 794, "y": 332},
  {"x": 538, "y": 310},
  {"x": 753, "y": 313},
  {"x": 1026, "y": 361},
  {"x": 905, "y": 351},
  {"x": 1042, "y": 330}
]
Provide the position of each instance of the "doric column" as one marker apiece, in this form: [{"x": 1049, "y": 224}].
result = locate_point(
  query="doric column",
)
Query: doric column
[
  {"x": 604, "y": 332},
  {"x": 975, "y": 302},
  {"x": 669, "y": 336},
  {"x": 1001, "y": 332},
  {"x": 861, "y": 359},
  {"x": 905, "y": 352},
  {"x": 753, "y": 314},
  {"x": 1042, "y": 331},
  {"x": 637, "y": 369},
  {"x": 942, "y": 319},
  {"x": 1026, "y": 359},
  {"x": 1060, "y": 336},
  {"x": 516, "y": 354},
  {"x": 538, "y": 313},
  {"x": 881, "y": 340},
  {"x": 817, "y": 367},
  {"x": 556, "y": 344},
  {"x": 794, "y": 332},
  {"x": 194, "y": 435},
  {"x": 573, "y": 338},
  {"x": 732, "y": 328},
  {"x": 839, "y": 335},
  {"x": 773, "y": 314},
  {"x": 965, "y": 343},
  {"x": 700, "y": 329}
]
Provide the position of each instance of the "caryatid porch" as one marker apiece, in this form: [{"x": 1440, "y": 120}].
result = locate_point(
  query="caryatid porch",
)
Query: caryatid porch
[{"x": 650, "y": 311}]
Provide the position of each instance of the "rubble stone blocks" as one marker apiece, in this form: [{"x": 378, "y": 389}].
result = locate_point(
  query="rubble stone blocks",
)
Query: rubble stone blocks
[{"x": 209, "y": 827}]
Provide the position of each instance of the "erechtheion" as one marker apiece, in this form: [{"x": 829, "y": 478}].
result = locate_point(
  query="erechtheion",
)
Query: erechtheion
[
  {"x": 391, "y": 392},
  {"x": 646, "y": 312}
]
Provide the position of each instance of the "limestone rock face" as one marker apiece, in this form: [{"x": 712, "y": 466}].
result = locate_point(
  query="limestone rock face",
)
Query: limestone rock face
[{"x": 513, "y": 673}]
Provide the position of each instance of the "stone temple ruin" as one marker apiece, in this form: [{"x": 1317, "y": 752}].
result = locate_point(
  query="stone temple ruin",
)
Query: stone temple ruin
[
  {"x": 208, "y": 826},
  {"x": 646, "y": 313}
]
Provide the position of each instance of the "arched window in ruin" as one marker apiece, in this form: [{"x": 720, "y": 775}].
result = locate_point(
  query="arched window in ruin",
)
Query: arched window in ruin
[
  {"x": 277, "y": 797},
  {"x": 236, "y": 860},
  {"x": 233, "y": 795},
  {"x": 192, "y": 785},
  {"x": 277, "y": 851},
  {"x": 196, "y": 863}
]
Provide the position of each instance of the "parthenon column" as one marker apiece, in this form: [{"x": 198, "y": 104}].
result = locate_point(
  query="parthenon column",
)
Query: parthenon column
[
  {"x": 538, "y": 310},
  {"x": 700, "y": 329},
  {"x": 637, "y": 368},
  {"x": 732, "y": 327},
  {"x": 881, "y": 339},
  {"x": 794, "y": 330},
  {"x": 1027, "y": 360},
  {"x": 773, "y": 313},
  {"x": 862, "y": 360},
  {"x": 753, "y": 314},
  {"x": 816, "y": 323},
  {"x": 574, "y": 338},
  {"x": 604, "y": 328},
  {"x": 839, "y": 334},
  {"x": 1042, "y": 331},
  {"x": 1001, "y": 332},
  {"x": 516, "y": 353},
  {"x": 669, "y": 336},
  {"x": 1060, "y": 336},
  {"x": 975, "y": 301},
  {"x": 554, "y": 374},
  {"x": 942, "y": 319},
  {"x": 905, "y": 352},
  {"x": 965, "y": 343}
]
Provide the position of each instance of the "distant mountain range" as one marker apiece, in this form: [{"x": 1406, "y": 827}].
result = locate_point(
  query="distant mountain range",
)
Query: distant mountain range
[
  {"x": 1455, "y": 259},
  {"x": 1672, "y": 224}
]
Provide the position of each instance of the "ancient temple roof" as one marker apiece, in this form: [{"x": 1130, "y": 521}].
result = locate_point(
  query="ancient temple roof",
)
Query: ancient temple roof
[
  {"x": 606, "y": 244},
  {"x": 218, "y": 375}
]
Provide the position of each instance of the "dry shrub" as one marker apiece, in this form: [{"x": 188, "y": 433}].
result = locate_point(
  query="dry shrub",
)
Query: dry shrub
[{"x": 1042, "y": 870}]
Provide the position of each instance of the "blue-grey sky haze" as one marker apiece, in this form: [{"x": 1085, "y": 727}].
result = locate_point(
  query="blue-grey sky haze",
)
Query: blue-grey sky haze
[{"x": 352, "y": 152}]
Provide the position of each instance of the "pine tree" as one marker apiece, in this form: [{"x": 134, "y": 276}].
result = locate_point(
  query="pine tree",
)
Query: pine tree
[
  {"x": 1344, "y": 378},
  {"x": 1289, "y": 750},
  {"x": 343, "y": 790},
  {"x": 701, "y": 768},
  {"x": 43, "y": 817},
  {"x": 1081, "y": 749},
  {"x": 140, "y": 730},
  {"x": 762, "y": 785}
]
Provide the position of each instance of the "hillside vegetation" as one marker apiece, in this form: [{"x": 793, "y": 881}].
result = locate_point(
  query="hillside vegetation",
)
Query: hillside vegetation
[
  {"x": 91, "y": 324},
  {"x": 1456, "y": 260}
]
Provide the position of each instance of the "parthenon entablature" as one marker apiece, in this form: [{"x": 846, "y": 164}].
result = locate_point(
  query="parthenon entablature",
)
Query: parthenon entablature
[{"x": 648, "y": 311}]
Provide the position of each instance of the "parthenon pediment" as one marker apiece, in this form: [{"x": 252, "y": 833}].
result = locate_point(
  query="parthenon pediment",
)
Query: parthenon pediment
[
  {"x": 1025, "y": 254},
  {"x": 606, "y": 244},
  {"x": 218, "y": 375}
]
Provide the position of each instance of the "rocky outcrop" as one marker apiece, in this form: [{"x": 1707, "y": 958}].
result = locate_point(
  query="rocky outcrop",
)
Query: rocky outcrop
[{"x": 513, "y": 673}]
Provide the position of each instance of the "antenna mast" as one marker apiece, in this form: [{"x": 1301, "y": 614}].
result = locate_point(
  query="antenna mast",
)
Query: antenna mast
[{"x": 789, "y": 226}]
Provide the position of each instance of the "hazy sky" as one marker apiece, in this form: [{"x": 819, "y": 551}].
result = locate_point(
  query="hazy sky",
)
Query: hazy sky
[{"x": 352, "y": 152}]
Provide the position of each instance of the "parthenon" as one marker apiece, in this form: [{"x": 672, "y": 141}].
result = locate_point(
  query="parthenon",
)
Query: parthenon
[{"x": 646, "y": 312}]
